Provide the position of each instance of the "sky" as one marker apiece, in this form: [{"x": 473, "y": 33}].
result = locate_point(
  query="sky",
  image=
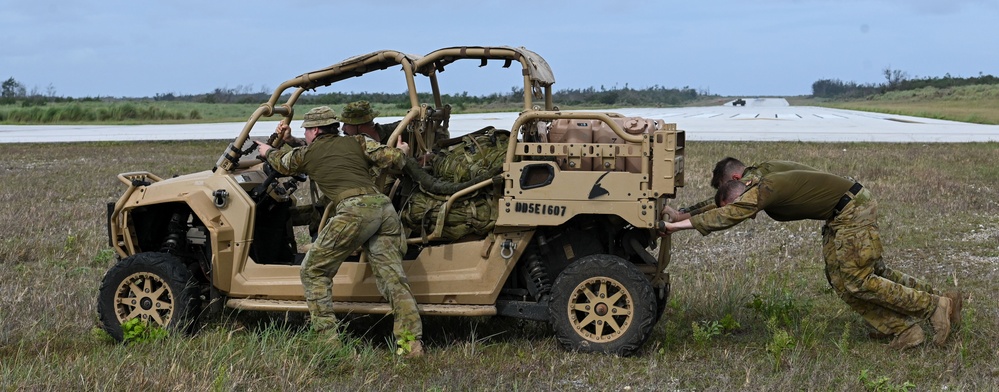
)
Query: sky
[{"x": 140, "y": 48}]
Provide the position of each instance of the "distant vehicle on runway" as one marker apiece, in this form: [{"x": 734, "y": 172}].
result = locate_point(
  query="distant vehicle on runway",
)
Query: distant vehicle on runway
[{"x": 739, "y": 102}]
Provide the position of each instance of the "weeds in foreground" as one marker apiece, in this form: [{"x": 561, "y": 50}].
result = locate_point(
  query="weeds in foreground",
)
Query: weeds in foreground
[
  {"x": 103, "y": 257},
  {"x": 883, "y": 383},
  {"x": 780, "y": 342},
  {"x": 780, "y": 305},
  {"x": 705, "y": 330},
  {"x": 965, "y": 334},
  {"x": 843, "y": 344},
  {"x": 404, "y": 344},
  {"x": 138, "y": 331}
]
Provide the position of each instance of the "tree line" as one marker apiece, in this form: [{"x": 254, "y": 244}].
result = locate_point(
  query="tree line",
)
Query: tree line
[
  {"x": 894, "y": 80},
  {"x": 651, "y": 96},
  {"x": 14, "y": 92}
]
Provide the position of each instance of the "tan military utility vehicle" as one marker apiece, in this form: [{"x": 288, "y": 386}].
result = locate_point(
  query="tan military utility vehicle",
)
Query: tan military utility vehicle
[{"x": 552, "y": 218}]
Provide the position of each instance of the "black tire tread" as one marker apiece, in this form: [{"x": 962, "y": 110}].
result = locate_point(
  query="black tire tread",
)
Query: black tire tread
[
  {"x": 169, "y": 268},
  {"x": 644, "y": 300}
]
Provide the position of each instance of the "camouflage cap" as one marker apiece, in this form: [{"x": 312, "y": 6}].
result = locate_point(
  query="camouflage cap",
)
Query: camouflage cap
[
  {"x": 359, "y": 112},
  {"x": 319, "y": 116}
]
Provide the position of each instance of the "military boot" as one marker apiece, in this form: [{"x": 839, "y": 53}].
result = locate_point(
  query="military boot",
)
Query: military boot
[
  {"x": 323, "y": 324},
  {"x": 956, "y": 303},
  {"x": 941, "y": 321},
  {"x": 909, "y": 338},
  {"x": 331, "y": 339},
  {"x": 415, "y": 349}
]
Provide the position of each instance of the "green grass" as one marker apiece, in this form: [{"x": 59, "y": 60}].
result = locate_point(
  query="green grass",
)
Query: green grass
[
  {"x": 939, "y": 220},
  {"x": 125, "y": 112},
  {"x": 141, "y": 111},
  {"x": 974, "y": 104}
]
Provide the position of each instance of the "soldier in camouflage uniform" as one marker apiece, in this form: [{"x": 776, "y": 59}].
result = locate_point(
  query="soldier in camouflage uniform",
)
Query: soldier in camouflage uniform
[
  {"x": 891, "y": 302},
  {"x": 339, "y": 165},
  {"x": 732, "y": 169},
  {"x": 359, "y": 118}
]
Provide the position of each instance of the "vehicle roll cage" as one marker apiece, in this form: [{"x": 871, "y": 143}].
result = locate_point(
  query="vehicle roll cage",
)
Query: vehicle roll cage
[{"x": 537, "y": 85}]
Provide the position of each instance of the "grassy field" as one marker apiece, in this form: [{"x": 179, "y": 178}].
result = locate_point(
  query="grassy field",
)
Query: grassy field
[
  {"x": 750, "y": 307},
  {"x": 974, "y": 104},
  {"x": 175, "y": 112},
  {"x": 143, "y": 112}
]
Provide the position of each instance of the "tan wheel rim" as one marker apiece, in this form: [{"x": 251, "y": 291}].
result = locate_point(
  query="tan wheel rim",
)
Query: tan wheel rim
[
  {"x": 145, "y": 296},
  {"x": 600, "y": 309}
]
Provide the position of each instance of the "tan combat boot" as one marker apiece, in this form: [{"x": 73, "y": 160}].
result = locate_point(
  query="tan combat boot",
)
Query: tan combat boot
[
  {"x": 909, "y": 338},
  {"x": 941, "y": 321},
  {"x": 956, "y": 303},
  {"x": 415, "y": 349}
]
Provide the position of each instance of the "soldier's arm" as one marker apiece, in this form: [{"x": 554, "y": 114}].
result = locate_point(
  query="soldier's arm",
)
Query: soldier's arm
[
  {"x": 699, "y": 205},
  {"x": 721, "y": 218},
  {"x": 687, "y": 212},
  {"x": 286, "y": 161},
  {"x": 702, "y": 207},
  {"x": 673, "y": 227},
  {"x": 381, "y": 155}
]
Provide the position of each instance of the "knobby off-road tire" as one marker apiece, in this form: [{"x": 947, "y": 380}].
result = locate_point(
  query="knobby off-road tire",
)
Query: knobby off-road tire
[
  {"x": 602, "y": 303},
  {"x": 154, "y": 287}
]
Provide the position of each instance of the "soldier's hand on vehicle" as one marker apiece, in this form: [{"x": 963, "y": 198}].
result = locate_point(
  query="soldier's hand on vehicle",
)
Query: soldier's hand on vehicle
[
  {"x": 403, "y": 146},
  {"x": 669, "y": 214},
  {"x": 263, "y": 148},
  {"x": 285, "y": 132},
  {"x": 667, "y": 228}
]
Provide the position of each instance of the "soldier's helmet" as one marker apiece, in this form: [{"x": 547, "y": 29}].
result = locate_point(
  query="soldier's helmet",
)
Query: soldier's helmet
[
  {"x": 318, "y": 117},
  {"x": 356, "y": 113}
]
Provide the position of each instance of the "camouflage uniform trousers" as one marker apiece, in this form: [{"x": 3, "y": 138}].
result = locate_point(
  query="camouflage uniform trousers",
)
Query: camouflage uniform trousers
[
  {"x": 369, "y": 221},
  {"x": 888, "y": 300}
]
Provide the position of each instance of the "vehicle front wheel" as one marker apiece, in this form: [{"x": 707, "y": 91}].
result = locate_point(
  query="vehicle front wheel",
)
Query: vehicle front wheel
[
  {"x": 154, "y": 287},
  {"x": 602, "y": 303}
]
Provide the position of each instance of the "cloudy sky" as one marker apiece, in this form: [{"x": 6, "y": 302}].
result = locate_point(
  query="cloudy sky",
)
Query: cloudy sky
[{"x": 141, "y": 48}]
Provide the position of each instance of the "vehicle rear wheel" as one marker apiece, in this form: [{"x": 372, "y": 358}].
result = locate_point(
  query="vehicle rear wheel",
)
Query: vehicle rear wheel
[
  {"x": 602, "y": 303},
  {"x": 154, "y": 287}
]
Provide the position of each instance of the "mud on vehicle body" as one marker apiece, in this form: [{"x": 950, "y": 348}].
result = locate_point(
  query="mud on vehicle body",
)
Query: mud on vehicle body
[{"x": 571, "y": 204}]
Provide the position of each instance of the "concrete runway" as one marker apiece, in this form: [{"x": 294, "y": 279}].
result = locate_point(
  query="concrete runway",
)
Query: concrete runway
[{"x": 762, "y": 119}]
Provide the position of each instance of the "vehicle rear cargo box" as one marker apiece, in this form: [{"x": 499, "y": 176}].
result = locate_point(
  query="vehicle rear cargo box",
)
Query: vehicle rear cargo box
[
  {"x": 596, "y": 131},
  {"x": 573, "y": 132}
]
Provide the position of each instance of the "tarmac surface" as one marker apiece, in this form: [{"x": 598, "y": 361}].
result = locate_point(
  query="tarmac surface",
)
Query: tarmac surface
[{"x": 761, "y": 119}]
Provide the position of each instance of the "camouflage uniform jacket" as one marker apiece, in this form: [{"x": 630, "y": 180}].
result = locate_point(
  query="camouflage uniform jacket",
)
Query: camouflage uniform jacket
[
  {"x": 753, "y": 173},
  {"x": 785, "y": 196},
  {"x": 338, "y": 163}
]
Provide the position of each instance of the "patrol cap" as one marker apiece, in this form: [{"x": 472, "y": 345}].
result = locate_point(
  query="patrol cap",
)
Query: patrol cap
[
  {"x": 359, "y": 112},
  {"x": 318, "y": 117}
]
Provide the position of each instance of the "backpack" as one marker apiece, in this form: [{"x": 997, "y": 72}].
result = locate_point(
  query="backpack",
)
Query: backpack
[{"x": 460, "y": 160}]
